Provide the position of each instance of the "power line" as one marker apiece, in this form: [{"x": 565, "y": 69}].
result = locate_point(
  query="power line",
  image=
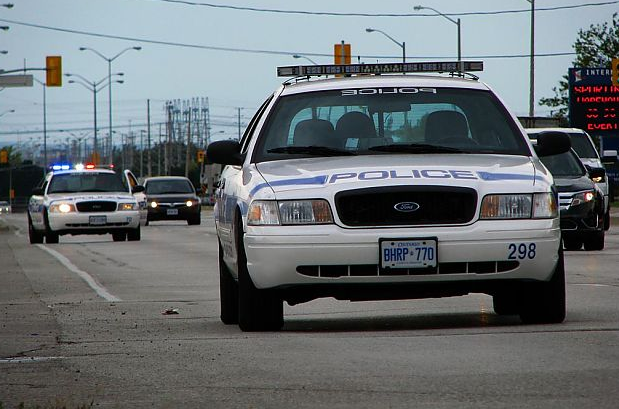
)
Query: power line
[
  {"x": 348, "y": 14},
  {"x": 271, "y": 52}
]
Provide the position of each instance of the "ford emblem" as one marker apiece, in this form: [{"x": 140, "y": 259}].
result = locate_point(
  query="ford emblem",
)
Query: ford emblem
[{"x": 406, "y": 207}]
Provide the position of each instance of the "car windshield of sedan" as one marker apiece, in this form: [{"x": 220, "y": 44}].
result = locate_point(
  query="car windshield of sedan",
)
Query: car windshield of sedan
[
  {"x": 86, "y": 182},
  {"x": 564, "y": 165},
  {"x": 376, "y": 121},
  {"x": 161, "y": 187}
]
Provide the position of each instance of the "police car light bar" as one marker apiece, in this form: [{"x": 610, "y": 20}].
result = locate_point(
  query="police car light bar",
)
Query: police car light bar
[{"x": 395, "y": 68}]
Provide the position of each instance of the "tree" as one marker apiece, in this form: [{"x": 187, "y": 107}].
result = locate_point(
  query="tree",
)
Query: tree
[{"x": 595, "y": 47}]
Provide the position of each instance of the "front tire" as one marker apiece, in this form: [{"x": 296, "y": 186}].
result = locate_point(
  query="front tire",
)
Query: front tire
[
  {"x": 194, "y": 220},
  {"x": 544, "y": 303},
  {"x": 134, "y": 234},
  {"x": 595, "y": 241},
  {"x": 119, "y": 236},
  {"x": 505, "y": 303},
  {"x": 259, "y": 310},
  {"x": 572, "y": 244},
  {"x": 34, "y": 236},
  {"x": 228, "y": 293}
]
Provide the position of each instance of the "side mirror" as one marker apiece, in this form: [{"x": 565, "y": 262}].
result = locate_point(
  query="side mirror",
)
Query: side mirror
[
  {"x": 37, "y": 191},
  {"x": 225, "y": 153},
  {"x": 137, "y": 189},
  {"x": 552, "y": 143},
  {"x": 596, "y": 174},
  {"x": 198, "y": 192}
]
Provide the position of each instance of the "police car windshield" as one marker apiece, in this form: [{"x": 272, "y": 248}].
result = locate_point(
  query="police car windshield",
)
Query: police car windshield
[
  {"x": 160, "y": 187},
  {"x": 376, "y": 121},
  {"x": 565, "y": 165},
  {"x": 85, "y": 182}
]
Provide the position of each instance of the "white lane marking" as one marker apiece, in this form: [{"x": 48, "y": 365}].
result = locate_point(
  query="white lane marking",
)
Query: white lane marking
[
  {"x": 90, "y": 280},
  {"x": 27, "y": 360},
  {"x": 593, "y": 285}
]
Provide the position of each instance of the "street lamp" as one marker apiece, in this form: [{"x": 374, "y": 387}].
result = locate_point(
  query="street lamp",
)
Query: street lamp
[
  {"x": 4, "y": 52},
  {"x": 402, "y": 44},
  {"x": 94, "y": 87},
  {"x": 456, "y": 22},
  {"x": 44, "y": 125},
  {"x": 109, "y": 73},
  {"x": 307, "y": 58},
  {"x": 9, "y": 111},
  {"x": 5, "y": 28},
  {"x": 532, "y": 64}
]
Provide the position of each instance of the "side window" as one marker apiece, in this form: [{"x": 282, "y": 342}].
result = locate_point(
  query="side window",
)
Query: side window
[{"x": 252, "y": 125}]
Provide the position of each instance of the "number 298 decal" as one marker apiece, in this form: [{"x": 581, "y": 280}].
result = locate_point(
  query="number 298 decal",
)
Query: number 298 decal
[{"x": 521, "y": 251}]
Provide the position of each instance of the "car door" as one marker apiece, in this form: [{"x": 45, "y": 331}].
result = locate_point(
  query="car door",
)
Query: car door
[{"x": 132, "y": 181}]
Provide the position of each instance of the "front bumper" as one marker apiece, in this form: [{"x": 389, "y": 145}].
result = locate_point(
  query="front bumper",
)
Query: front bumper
[
  {"x": 581, "y": 219},
  {"x": 81, "y": 222},
  {"x": 477, "y": 252},
  {"x": 183, "y": 213}
]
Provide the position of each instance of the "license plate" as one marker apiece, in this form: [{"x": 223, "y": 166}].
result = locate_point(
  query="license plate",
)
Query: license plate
[
  {"x": 172, "y": 212},
  {"x": 408, "y": 253},
  {"x": 97, "y": 220}
]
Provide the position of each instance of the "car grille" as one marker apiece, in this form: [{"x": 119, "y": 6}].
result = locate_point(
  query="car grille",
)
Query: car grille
[
  {"x": 377, "y": 206},
  {"x": 565, "y": 199},
  {"x": 368, "y": 270},
  {"x": 96, "y": 206}
]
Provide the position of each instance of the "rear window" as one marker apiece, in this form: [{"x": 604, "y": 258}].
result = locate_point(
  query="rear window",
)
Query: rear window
[
  {"x": 375, "y": 121},
  {"x": 583, "y": 146}
]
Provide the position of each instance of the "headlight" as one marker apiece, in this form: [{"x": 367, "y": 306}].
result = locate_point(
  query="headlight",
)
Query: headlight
[
  {"x": 536, "y": 206},
  {"x": 62, "y": 208},
  {"x": 506, "y": 207},
  {"x": 582, "y": 197},
  {"x": 597, "y": 179},
  {"x": 127, "y": 206},
  {"x": 153, "y": 205},
  {"x": 289, "y": 212},
  {"x": 190, "y": 203}
]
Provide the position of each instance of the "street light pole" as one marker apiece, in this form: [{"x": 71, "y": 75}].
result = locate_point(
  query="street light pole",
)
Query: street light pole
[
  {"x": 532, "y": 64},
  {"x": 402, "y": 44},
  {"x": 44, "y": 126},
  {"x": 307, "y": 58},
  {"x": 456, "y": 22},
  {"x": 109, "y": 73},
  {"x": 93, "y": 87}
]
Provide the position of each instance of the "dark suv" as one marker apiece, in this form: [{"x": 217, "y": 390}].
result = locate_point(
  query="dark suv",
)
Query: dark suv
[
  {"x": 172, "y": 198},
  {"x": 581, "y": 201}
]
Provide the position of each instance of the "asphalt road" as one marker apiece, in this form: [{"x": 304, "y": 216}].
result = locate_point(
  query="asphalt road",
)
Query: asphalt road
[{"x": 83, "y": 322}]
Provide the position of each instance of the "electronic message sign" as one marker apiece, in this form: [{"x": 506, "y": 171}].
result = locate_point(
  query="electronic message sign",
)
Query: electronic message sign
[{"x": 594, "y": 101}]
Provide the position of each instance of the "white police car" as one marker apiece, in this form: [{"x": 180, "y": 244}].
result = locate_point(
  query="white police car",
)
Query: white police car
[
  {"x": 374, "y": 187},
  {"x": 83, "y": 201}
]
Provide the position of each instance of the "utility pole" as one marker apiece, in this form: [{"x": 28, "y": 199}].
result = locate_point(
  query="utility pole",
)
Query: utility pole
[
  {"x": 239, "y": 121},
  {"x": 187, "y": 156},
  {"x": 150, "y": 169}
]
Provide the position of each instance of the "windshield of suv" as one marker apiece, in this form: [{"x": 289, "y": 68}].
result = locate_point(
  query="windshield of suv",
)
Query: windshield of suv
[
  {"x": 86, "y": 182},
  {"x": 564, "y": 165},
  {"x": 582, "y": 145},
  {"x": 375, "y": 121},
  {"x": 160, "y": 187}
]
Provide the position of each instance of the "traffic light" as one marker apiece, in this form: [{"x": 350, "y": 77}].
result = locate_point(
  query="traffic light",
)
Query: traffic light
[
  {"x": 201, "y": 155},
  {"x": 53, "y": 66},
  {"x": 615, "y": 67},
  {"x": 4, "y": 156}
]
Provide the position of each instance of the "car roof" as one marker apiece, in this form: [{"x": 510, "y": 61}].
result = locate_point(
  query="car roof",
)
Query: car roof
[
  {"x": 155, "y": 178},
  {"x": 557, "y": 129},
  {"x": 371, "y": 81}
]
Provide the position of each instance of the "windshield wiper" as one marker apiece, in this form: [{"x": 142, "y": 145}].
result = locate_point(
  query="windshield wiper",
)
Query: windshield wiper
[
  {"x": 416, "y": 148},
  {"x": 312, "y": 150}
]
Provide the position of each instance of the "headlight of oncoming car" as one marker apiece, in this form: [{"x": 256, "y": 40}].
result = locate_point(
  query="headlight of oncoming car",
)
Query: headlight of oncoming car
[
  {"x": 127, "y": 206},
  {"x": 537, "y": 206},
  {"x": 583, "y": 197},
  {"x": 190, "y": 203},
  {"x": 289, "y": 212},
  {"x": 62, "y": 208},
  {"x": 153, "y": 204},
  {"x": 597, "y": 179}
]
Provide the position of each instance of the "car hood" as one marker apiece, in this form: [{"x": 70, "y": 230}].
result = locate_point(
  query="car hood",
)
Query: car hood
[
  {"x": 471, "y": 170},
  {"x": 90, "y": 196},
  {"x": 565, "y": 184}
]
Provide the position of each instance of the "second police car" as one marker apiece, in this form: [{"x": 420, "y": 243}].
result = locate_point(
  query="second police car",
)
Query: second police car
[
  {"x": 375, "y": 187},
  {"x": 84, "y": 201}
]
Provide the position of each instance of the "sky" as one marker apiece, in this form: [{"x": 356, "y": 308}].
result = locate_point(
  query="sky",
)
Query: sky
[{"x": 195, "y": 49}]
